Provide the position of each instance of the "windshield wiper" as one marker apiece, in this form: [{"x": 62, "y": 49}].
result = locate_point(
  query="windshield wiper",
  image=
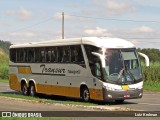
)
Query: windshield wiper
[
  {"x": 120, "y": 74},
  {"x": 130, "y": 73}
]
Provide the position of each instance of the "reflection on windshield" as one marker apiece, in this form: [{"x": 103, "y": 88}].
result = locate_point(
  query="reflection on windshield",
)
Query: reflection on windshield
[{"x": 122, "y": 65}]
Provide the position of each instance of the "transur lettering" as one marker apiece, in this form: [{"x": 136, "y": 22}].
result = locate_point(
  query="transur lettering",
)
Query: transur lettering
[{"x": 52, "y": 70}]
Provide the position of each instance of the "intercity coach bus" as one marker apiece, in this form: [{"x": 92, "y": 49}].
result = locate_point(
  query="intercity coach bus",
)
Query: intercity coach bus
[{"x": 89, "y": 68}]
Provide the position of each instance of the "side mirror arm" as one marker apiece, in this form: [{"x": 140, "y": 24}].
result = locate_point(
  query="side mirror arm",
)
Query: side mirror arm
[
  {"x": 145, "y": 57},
  {"x": 102, "y": 58}
]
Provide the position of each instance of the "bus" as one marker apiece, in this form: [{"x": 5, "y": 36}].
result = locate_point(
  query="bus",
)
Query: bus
[{"x": 89, "y": 68}]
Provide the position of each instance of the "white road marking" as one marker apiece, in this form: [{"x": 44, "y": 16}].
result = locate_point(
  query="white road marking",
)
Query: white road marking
[{"x": 148, "y": 104}]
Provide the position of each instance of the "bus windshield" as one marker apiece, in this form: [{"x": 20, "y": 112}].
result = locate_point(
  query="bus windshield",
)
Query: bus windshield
[{"x": 122, "y": 66}]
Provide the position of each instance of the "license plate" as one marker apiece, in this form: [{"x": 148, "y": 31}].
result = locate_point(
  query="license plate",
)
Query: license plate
[
  {"x": 126, "y": 96},
  {"x": 125, "y": 87}
]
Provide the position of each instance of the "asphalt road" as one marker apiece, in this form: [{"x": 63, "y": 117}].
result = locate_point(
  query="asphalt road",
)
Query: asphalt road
[{"x": 149, "y": 102}]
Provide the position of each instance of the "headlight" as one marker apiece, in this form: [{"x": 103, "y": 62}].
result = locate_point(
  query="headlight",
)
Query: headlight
[
  {"x": 109, "y": 88},
  {"x": 140, "y": 87}
]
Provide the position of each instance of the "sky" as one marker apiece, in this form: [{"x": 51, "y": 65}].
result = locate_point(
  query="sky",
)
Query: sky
[{"x": 24, "y": 21}]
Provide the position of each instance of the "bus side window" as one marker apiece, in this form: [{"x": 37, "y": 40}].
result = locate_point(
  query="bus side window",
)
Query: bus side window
[
  {"x": 20, "y": 55},
  {"x": 80, "y": 55},
  {"x": 53, "y": 56},
  {"x": 94, "y": 61},
  {"x": 66, "y": 54},
  {"x": 96, "y": 69},
  {"x": 42, "y": 55},
  {"x": 13, "y": 55},
  {"x": 76, "y": 55},
  {"x": 98, "y": 72},
  {"x": 37, "y": 55},
  {"x": 59, "y": 54},
  {"x": 17, "y": 55},
  {"x": 25, "y": 55},
  {"x": 31, "y": 55},
  {"x": 48, "y": 55}
]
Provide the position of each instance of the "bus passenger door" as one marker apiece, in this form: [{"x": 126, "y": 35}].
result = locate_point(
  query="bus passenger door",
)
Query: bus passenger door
[{"x": 96, "y": 70}]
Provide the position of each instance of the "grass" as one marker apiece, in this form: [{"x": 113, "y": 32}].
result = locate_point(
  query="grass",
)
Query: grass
[
  {"x": 19, "y": 96},
  {"x": 4, "y": 81},
  {"x": 152, "y": 86}
]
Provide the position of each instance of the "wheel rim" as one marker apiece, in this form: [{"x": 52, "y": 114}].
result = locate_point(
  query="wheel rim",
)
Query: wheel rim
[
  {"x": 32, "y": 90},
  {"x": 24, "y": 90},
  {"x": 86, "y": 95}
]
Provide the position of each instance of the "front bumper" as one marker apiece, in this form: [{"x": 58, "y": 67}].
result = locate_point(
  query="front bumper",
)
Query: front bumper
[{"x": 122, "y": 95}]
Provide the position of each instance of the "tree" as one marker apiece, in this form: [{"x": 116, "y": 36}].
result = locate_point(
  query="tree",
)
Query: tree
[
  {"x": 153, "y": 54},
  {"x": 5, "y": 46}
]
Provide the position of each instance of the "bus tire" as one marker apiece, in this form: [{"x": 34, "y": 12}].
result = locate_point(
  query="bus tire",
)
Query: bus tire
[
  {"x": 32, "y": 90},
  {"x": 85, "y": 94},
  {"x": 24, "y": 89}
]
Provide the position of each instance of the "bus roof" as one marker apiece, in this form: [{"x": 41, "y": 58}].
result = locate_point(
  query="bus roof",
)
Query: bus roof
[{"x": 95, "y": 41}]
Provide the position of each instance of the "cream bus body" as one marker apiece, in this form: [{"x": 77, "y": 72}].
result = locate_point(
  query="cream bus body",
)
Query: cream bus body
[{"x": 73, "y": 76}]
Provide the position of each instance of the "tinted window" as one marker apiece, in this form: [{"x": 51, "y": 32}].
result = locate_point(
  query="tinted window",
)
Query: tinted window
[
  {"x": 76, "y": 54},
  {"x": 66, "y": 54},
  {"x": 57, "y": 54},
  {"x": 13, "y": 55}
]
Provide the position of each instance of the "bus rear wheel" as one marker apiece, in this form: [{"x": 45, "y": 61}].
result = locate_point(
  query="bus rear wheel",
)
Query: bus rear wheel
[
  {"x": 85, "y": 95},
  {"x": 24, "y": 89},
  {"x": 32, "y": 90}
]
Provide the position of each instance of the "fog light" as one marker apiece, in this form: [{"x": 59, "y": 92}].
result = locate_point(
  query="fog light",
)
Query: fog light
[
  {"x": 110, "y": 96},
  {"x": 140, "y": 94}
]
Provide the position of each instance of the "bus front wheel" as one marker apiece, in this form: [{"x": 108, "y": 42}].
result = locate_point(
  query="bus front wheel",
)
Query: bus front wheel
[
  {"x": 32, "y": 90},
  {"x": 85, "y": 95}
]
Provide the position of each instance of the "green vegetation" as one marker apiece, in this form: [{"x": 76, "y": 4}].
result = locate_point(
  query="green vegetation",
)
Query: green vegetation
[
  {"x": 4, "y": 50},
  {"x": 152, "y": 86},
  {"x": 4, "y": 81},
  {"x": 4, "y": 45},
  {"x": 151, "y": 73},
  {"x": 4, "y": 71},
  {"x": 153, "y": 54}
]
